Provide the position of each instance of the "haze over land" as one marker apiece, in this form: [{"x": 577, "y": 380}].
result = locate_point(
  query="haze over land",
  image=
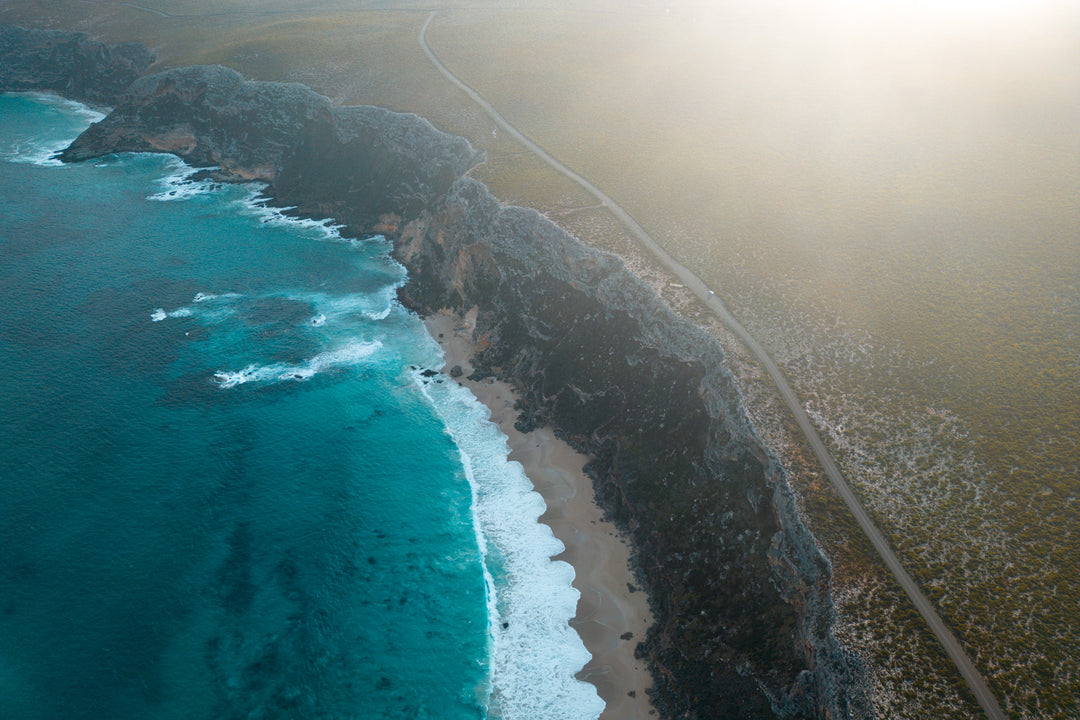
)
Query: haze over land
[{"x": 888, "y": 197}]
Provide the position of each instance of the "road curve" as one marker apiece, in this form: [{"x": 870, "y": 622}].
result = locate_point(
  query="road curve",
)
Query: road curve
[{"x": 963, "y": 663}]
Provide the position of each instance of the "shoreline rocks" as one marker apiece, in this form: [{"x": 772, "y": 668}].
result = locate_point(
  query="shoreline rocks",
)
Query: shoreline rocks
[{"x": 367, "y": 167}]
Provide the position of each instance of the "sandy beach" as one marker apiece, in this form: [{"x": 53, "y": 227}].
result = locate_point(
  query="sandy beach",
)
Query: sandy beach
[{"x": 612, "y": 615}]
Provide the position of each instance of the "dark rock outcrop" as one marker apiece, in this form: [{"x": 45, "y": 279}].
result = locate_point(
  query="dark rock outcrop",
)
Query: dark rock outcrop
[
  {"x": 367, "y": 167},
  {"x": 69, "y": 63},
  {"x": 740, "y": 590}
]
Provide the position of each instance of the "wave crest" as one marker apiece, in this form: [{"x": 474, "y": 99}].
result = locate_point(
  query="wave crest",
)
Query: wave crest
[
  {"x": 535, "y": 652},
  {"x": 345, "y": 356}
]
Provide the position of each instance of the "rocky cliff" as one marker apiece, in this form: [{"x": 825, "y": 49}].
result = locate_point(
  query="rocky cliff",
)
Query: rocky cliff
[
  {"x": 365, "y": 166},
  {"x": 740, "y": 590},
  {"x": 69, "y": 63}
]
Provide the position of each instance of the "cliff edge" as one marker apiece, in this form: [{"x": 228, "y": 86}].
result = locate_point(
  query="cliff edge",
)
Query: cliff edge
[
  {"x": 739, "y": 588},
  {"x": 365, "y": 166}
]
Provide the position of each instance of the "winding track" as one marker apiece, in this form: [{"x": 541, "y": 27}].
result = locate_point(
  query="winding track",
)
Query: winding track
[{"x": 956, "y": 653}]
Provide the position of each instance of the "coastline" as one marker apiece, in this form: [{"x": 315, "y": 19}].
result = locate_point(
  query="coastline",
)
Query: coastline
[
  {"x": 608, "y": 608},
  {"x": 741, "y": 596}
]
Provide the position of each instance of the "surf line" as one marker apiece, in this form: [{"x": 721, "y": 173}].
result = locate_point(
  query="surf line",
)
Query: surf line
[{"x": 951, "y": 645}]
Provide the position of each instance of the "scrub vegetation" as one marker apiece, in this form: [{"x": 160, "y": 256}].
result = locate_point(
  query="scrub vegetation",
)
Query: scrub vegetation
[{"x": 890, "y": 204}]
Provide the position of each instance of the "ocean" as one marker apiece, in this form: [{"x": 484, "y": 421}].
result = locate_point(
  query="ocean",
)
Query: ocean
[{"x": 228, "y": 487}]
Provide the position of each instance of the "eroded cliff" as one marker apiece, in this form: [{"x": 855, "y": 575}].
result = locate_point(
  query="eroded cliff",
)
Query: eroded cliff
[
  {"x": 365, "y": 166},
  {"x": 69, "y": 63},
  {"x": 740, "y": 590}
]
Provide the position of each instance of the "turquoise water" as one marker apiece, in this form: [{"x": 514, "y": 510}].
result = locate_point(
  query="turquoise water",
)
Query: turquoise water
[{"x": 226, "y": 488}]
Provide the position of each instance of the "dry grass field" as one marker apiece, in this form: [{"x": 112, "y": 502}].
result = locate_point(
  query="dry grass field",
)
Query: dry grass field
[{"x": 889, "y": 199}]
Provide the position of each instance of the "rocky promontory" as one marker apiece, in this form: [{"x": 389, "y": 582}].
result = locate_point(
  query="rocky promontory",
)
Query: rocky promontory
[
  {"x": 365, "y": 166},
  {"x": 69, "y": 63},
  {"x": 741, "y": 593}
]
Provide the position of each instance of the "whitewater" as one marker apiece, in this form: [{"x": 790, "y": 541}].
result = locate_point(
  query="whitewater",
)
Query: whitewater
[{"x": 231, "y": 486}]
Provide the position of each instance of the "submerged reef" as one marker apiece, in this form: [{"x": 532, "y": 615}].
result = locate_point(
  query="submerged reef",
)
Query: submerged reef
[{"x": 740, "y": 590}]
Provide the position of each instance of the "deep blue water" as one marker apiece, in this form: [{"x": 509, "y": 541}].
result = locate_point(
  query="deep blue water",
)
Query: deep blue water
[{"x": 226, "y": 490}]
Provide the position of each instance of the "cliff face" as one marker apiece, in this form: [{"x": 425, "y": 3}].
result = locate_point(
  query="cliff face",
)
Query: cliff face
[
  {"x": 363, "y": 165},
  {"x": 740, "y": 590},
  {"x": 69, "y": 63}
]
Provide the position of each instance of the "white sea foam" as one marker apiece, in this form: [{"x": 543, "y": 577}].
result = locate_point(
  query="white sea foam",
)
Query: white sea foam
[
  {"x": 211, "y": 307},
  {"x": 70, "y": 107},
  {"x": 42, "y": 148},
  {"x": 535, "y": 653},
  {"x": 257, "y": 373},
  {"x": 201, "y": 297},
  {"x": 334, "y": 309},
  {"x": 348, "y": 355},
  {"x": 37, "y": 150},
  {"x": 330, "y": 309},
  {"x": 159, "y": 314},
  {"x": 381, "y": 315},
  {"x": 254, "y": 203},
  {"x": 380, "y": 303},
  {"x": 178, "y": 184}
]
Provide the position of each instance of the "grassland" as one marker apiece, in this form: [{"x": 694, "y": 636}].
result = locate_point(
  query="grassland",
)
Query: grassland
[{"x": 889, "y": 203}]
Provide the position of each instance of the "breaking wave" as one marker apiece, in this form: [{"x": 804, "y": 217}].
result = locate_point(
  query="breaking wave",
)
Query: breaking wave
[{"x": 347, "y": 356}]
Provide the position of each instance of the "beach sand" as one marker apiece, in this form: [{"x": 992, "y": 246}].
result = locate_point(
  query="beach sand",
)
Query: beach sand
[{"x": 612, "y": 615}]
